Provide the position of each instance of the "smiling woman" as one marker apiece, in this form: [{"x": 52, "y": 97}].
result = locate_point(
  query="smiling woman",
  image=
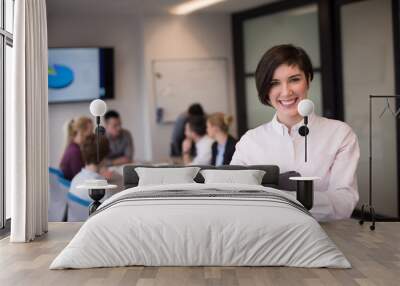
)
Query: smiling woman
[{"x": 283, "y": 78}]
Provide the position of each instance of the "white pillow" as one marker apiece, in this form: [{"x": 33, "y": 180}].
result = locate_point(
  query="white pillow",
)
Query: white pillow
[
  {"x": 163, "y": 176},
  {"x": 248, "y": 177}
]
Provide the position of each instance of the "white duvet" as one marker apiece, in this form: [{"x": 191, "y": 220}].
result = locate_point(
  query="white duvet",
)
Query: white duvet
[{"x": 200, "y": 231}]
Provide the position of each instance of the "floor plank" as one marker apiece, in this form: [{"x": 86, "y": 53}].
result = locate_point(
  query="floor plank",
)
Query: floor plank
[{"x": 374, "y": 255}]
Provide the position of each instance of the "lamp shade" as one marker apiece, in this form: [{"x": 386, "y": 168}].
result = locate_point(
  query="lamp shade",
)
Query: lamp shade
[
  {"x": 98, "y": 107},
  {"x": 305, "y": 107}
]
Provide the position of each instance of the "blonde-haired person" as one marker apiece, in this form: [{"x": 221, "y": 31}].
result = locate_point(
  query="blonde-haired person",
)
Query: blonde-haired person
[
  {"x": 77, "y": 131},
  {"x": 224, "y": 145}
]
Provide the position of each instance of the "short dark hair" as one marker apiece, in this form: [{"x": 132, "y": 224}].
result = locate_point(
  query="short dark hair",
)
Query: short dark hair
[
  {"x": 198, "y": 124},
  {"x": 272, "y": 59},
  {"x": 111, "y": 114},
  {"x": 195, "y": 110},
  {"x": 89, "y": 149}
]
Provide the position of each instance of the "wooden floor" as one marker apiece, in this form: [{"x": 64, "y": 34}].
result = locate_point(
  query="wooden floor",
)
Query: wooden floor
[{"x": 375, "y": 257}]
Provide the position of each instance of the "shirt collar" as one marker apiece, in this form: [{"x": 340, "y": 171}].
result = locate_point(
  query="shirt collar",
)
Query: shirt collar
[
  {"x": 87, "y": 171},
  {"x": 114, "y": 138},
  {"x": 283, "y": 130},
  {"x": 202, "y": 139}
]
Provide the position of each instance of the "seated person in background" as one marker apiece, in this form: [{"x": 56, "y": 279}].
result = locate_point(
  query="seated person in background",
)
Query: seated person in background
[
  {"x": 120, "y": 140},
  {"x": 195, "y": 131},
  {"x": 77, "y": 131},
  {"x": 178, "y": 133},
  {"x": 224, "y": 145},
  {"x": 77, "y": 212}
]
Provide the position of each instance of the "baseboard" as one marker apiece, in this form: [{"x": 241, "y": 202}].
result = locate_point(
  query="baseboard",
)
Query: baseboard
[
  {"x": 5, "y": 231},
  {"x": 367, "y": 216}
]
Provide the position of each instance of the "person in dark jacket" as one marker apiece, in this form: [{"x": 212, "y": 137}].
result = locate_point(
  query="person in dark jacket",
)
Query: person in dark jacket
[{"x": 224, "y": 145}]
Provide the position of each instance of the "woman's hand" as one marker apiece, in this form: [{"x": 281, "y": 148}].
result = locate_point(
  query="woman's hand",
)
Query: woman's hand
[
  {"x": 187, "y": 145},
  {"x": 107, "y": 174}
]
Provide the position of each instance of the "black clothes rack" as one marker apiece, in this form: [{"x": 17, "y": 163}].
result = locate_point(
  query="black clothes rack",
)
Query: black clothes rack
[{"x": 366, "y": 207}]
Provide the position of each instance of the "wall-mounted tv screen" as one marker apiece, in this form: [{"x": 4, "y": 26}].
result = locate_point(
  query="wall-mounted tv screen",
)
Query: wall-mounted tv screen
[{"x": 80, "y": 74}]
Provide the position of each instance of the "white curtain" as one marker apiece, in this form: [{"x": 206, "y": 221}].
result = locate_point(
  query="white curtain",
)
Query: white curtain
[{"x": 27, "y": 138}]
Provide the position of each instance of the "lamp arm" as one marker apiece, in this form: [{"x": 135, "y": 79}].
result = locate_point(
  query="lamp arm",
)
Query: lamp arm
[
  {"x": 305, "y": 138},
  {"x": 305, "y": 151},
  {"x": 97, "y": 137}
]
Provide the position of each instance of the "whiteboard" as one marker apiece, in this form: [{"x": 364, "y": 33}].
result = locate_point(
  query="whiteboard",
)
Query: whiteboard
[{"x": 179, "y": 83}]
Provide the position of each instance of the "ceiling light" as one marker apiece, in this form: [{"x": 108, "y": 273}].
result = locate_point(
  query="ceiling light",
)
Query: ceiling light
[
  {"x": 189, "y": 7},
  {"x": 313, "y": 8}
]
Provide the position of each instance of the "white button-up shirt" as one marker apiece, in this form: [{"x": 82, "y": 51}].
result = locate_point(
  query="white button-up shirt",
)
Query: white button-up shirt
[
  {"x": 332, "y": 155},
  {"x": 203, "y": 151}
]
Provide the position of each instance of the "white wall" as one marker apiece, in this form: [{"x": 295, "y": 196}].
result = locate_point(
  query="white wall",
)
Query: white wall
[
  {"x": 171, "y": 37},
  {"x": 137, "y": 41},
  {"x": 124, "y": 33}
]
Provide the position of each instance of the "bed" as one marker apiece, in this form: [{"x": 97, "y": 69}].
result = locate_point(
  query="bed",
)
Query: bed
[{"x": 202, "y": 224}]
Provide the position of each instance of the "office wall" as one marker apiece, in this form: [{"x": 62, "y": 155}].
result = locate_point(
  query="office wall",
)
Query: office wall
[
  {"x": 137, "y": 41},
  {"x": 124, "y": 33},
  {"x": 171, "y": 37},
  {"x": 368, "y": 68}
]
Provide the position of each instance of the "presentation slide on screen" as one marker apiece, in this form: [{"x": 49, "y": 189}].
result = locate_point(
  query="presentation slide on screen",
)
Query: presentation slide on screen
[{"x": 74, "y": 74}]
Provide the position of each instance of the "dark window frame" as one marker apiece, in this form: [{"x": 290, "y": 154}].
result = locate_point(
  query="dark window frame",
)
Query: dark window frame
[
  {"x": 330, "y": 108},
  {"x": 396, "y": 49},
  {"x": 6, "y": 39}
]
